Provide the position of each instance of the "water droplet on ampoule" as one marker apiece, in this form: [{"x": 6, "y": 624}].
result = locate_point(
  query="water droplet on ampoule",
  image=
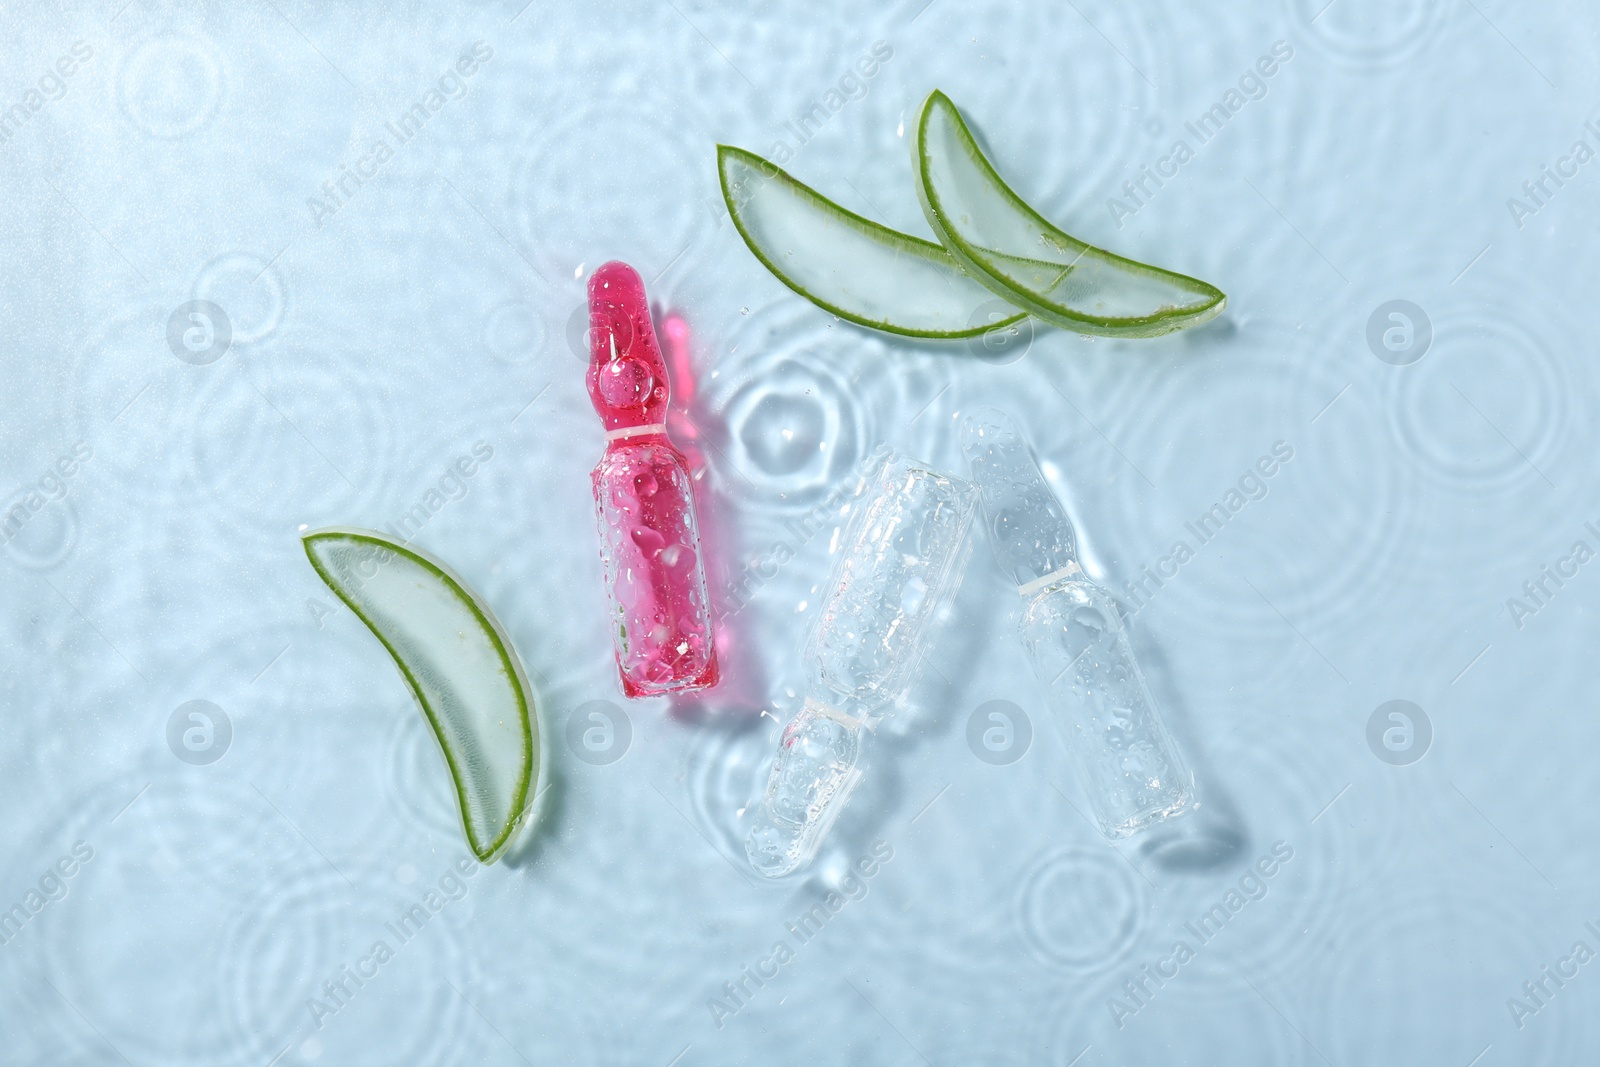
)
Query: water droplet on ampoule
[
  {"x": 650, "y": 542},
  {"x": 626, "y": 382},
  {"x": 1089, "y": 618}
]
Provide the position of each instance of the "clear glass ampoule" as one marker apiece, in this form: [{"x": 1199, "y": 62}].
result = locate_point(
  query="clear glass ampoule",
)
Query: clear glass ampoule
[
  {"x": 899, "y": 562},
  {"x": 1130, "y": 765}
]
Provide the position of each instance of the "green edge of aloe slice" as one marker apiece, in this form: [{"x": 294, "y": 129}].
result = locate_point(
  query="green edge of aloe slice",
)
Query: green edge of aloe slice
[
  {"x": 458, "y": 663},
  {"x": 1025, "y": 259},
  {"x": 848, "y": 265}
]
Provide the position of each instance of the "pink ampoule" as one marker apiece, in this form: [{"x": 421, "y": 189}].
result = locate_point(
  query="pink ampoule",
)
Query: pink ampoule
[{"x": 649, "y": 536}]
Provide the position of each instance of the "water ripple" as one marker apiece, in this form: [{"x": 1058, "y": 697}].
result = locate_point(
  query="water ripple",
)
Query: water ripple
[
  {"x": 169, "y": 87},
  {"x": 1479, "y": 948},
  {"x": 783, "y": 420},
  {"x": 559, "y": 188},
  {"x": 49, "y": 533},
  {"x": 1182, "y": 1022},
  {"x": 277, "y": 445},
  {"x": 124, "y": 381},
  {"x": 304, "y": 928},
  {"x": 1490, "y": 406},
  {"x": 1080, "y": 909},
  {"x": 1369, "y": 34},
  {"x": 166, "y": 859},
  {"x": 249, "y": 288},
  {"x": 1274, "y": 787},
  {"x": 417, "y": 778}
]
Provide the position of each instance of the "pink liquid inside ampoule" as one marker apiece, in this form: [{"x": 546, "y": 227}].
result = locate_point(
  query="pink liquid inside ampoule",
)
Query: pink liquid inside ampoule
[{"x": 649, "y": 536}]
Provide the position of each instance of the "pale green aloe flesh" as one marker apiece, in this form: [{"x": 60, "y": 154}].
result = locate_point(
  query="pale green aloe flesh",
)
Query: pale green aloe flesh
[
  {"x": 459, "y": 665},
  {"x": 848, "y": 265},
  {"x": 1023, "y": 258}
]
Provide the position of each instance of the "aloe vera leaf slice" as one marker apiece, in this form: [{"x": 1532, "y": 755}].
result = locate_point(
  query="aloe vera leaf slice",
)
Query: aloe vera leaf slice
[
  {"x": 459, "y": 664},
  {"x": 848, "y": 265},
  {"x": 1024, "y": 258}
]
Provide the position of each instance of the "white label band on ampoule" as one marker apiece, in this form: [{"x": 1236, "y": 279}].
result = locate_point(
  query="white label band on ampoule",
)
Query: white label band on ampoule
[
  {"x": 635, "y": 431},
  {"x": 1050, "y": 579}
]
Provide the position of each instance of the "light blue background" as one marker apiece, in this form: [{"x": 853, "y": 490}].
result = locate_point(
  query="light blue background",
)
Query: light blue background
[{"x": 374, "y": 344}]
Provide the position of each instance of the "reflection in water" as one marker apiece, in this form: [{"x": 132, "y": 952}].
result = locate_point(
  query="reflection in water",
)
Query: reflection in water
[{"x": 740, "y": 692}]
